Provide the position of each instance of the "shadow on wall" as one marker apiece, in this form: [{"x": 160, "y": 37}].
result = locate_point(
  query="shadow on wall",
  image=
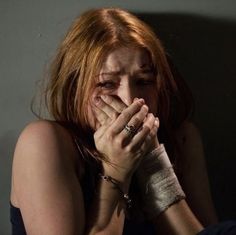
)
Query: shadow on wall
[
  {"x": 204, "y": 51},
  {"x": 7, "y": 145}
]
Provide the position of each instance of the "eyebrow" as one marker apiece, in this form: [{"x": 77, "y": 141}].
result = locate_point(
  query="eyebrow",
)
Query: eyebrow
[
  {"x": 145, "y": 70},
  {"x": 111, "y": 73},
  {"x": 141, "y": 70}
]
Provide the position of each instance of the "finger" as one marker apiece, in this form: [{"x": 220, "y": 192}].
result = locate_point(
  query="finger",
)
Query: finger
[
  {"x": 115, "y": 103},
  {"x": 126, "y": 115},
  {"x": 155, "y": 128},
  {"x": 101, "y": 131},
  {"x": 107, "y": 109},
  {"x": 145, "y": 130},
  {"x": 151, "y": 139},
  {"x": 134, "y": 124},
  {"x": 101, "y": 116}
]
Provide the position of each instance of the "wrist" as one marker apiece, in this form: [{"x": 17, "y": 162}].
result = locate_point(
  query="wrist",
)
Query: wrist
[
  {"x": 121, "y": 176},
  {"x": 122, "y": 188},
  {"x": 158, "y": 183},
  {"x": 154, "y": 145}
]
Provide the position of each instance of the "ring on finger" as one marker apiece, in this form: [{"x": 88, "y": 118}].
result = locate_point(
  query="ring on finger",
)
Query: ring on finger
[{"x": 130, "y": 129}]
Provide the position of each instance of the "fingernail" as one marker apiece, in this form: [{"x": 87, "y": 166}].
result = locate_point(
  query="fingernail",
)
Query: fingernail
[
  {"x": 145, "y": 106},
  {"x": 135, "y": 99},
  {"x": 156, "y": 121},
  {"x": 141, "y": 100}
]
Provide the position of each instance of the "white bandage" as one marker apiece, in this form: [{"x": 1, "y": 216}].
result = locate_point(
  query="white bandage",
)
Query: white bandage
[{"x": 158, "y": 183}]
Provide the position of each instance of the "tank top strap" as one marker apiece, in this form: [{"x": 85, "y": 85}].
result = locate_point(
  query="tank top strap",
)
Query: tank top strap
[{"x": 80, "y": 159}]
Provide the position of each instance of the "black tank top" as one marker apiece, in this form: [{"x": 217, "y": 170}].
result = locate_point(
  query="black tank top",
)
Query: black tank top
[{"x": 130, "y": 226}]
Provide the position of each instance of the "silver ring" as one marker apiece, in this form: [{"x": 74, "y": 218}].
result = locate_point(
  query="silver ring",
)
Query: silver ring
[{"x": 130, "y": 129}]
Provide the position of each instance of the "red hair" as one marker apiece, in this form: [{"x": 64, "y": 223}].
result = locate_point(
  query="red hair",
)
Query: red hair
[{"x": 90, "y": 39}]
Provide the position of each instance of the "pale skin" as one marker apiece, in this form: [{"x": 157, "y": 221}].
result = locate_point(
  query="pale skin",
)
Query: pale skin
[
  {"x": 139, "y": 83},
  {"x": 45, "y": 184}
]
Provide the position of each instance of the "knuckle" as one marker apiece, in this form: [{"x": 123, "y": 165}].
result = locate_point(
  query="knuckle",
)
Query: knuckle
[
  {"x": 157, "y": 122},
  {"x": 135, "y": 107},
  {"x": 153, "y": 133},
  {"x": 114, "y": 116},
  {"x": 146, "y": 128},
  {"x": 136, "y": 119},
  {"x": 131, "y": 149},
  {"x": 118, "y": 141},
  {"x": 137, "y": 104},
  {"x": 125, "y": 115},
  {"x": 120, "y": 109},
  {"x": 152, "y": 116},
  {"x": 108, "y": 137},
  {"x": 145, "y": 108}
]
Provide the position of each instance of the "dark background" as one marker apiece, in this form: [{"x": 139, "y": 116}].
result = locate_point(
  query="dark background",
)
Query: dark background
[
  {"x": 200, "y": 37},
  {"x": 204, "y": 51}
]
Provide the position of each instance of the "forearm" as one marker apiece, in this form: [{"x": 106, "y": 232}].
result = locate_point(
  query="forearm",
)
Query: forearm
[
  {"x": 178, "y": 219},
  {"x": 164, "y": 199},
  {"x": 107, "y": 212}
]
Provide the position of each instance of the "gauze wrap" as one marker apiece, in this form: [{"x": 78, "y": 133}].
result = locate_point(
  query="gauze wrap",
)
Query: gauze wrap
[{"x": 159, "y": 185}]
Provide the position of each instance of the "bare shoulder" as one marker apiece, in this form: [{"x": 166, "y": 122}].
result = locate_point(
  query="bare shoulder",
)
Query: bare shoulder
[
  {"x": 46, "y": 133},
  {"x": 45, "y": 145},
  {"x": 44, "y": 180},
  {"x": 44, "y": 141},
  {"x": 45, "y": 138}
]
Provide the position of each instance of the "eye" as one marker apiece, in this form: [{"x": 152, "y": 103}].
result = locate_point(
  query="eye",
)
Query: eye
[{"x": 107, "y": 85}]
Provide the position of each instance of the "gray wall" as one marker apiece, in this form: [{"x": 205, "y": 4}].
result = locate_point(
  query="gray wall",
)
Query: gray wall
[{"x": 200, "y": 35}]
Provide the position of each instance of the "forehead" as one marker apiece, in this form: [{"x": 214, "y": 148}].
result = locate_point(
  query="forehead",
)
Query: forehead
[{"x": 126, "y": 60}]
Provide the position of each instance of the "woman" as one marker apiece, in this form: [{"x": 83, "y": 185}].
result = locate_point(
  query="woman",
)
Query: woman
[{"x": 99, "y": 167}]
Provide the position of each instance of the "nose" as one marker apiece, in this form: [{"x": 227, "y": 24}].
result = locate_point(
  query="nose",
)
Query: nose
[{"x": 126, "y": 93}]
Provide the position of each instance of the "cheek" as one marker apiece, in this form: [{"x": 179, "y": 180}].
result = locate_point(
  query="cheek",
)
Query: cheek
[
  {"x": 91, "y": 115},
  {"x": 152, "y": 104}
]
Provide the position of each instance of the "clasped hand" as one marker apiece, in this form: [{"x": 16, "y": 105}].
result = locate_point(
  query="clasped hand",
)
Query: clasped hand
[{"x": 123, "y": 147}]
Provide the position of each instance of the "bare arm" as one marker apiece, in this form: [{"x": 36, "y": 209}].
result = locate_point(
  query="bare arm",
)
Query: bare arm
[
  {"x": 46, "y": 186},
  {"x": 45, "y": 183},
  {"x": 178, "y": 219},
  {"x": 195, "y": 179},
  {"x": 107, "y": 213},
  {"x": 47, "y": 189}
]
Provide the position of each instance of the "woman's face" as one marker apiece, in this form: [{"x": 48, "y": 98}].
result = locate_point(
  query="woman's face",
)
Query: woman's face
[{"x": 126, "y": 74}]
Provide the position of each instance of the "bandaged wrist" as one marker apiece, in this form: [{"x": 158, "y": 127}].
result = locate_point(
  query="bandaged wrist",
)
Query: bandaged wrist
[{"x": 158, "y": 183}]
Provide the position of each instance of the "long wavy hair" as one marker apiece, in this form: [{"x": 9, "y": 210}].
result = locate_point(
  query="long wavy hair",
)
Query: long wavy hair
[{"x": 79, "y": 59}]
